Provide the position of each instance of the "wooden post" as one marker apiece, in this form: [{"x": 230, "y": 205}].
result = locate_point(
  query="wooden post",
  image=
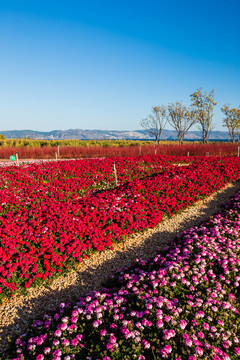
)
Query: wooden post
[
  {"x": 155, "y": 151},
  {"x": 115, "y": 173},
  {"x": 188, "y": 153},
  {"x": 17, "y": 159},
  {"x": 140, "y": 150},
  {"x": 56, "y": 155},
  {"x": 58, "y": 150}
]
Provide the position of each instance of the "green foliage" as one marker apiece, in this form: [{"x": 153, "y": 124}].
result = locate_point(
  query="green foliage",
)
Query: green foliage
[
  {"x": 181, "y": 119},
  {"x": 69, "y": 142},
  {"x": 202, "y": 104},
  {"x": 232, "y": 121}
]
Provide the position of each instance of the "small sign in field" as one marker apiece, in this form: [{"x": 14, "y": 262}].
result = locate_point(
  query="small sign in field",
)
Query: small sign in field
[{"x": 12, "y": 158}]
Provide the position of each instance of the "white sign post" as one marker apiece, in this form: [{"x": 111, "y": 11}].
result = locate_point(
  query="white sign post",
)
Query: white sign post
[
  {"x": 17, "y": 159},
  {"x": 115, "y": 173}
]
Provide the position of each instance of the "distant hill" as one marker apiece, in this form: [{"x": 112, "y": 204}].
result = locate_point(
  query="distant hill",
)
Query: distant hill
[{"x": 107, "y": 134}]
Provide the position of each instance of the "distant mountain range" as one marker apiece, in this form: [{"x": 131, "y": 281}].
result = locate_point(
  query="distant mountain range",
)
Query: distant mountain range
[{"x": 108, "y": 134}]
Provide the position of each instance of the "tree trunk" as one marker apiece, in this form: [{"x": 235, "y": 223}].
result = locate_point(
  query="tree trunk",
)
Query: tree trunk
[{"x": 180, "y": 139}]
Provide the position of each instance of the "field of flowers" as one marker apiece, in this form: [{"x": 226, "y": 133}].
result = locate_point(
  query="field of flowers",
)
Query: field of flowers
[
  {"x": 183, "y": 304},
  {"x": 115, "y": 148},
  {"x": 54, "y": 214}
]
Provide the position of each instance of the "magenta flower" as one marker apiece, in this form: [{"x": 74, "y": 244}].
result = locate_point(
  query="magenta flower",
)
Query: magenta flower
[
  {"x": 58, "y": 333},
  {"x": 40, "y": 357},
  {"x": 199, "y": 350},
  {"x": 237, "y": 350},
  {"x": 183, "y": 324}
]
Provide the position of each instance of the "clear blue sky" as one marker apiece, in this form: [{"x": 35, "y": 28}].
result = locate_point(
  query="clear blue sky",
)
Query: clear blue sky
[{"x": 104, "y": 64}]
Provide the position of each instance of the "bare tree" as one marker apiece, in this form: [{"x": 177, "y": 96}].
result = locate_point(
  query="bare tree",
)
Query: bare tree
[
  {"x": 232, "y": 121},
  {"x": 155, "y": 122},
  {"x": 203, "y": 104},
  {"x": 181, "y": 119}
]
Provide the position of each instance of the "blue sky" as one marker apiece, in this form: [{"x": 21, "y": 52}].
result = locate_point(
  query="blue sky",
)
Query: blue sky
[{"x": 104, "y": 64}]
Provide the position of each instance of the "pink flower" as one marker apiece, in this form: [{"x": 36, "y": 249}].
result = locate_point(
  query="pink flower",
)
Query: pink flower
[
  {"x": 206, "y": 326},
  {"x": 74, "y": 342},
  {"x": 168, "y": 334},
  {"x": 237, "y": 350},
  {"x": 103, "y": 332},
  {"x": 166, "y": 350},
  {"x": 199, "y": 350},
  {"x": 167, "y": 318},
  {"x": 183, "y": 324},
  {"x": 58, "y": 333},
  {"x": 159, "y": 323},
  {"x": 65, "y": 342},
  {"x": 40, "y": 357},
  {"x": 47, "y": 350},
  {"x": 213, "y": 329},
  {"x": 188, "y": 342},
  {"x": 146, "y": 344},
  {"x": 63, "y": 326}
]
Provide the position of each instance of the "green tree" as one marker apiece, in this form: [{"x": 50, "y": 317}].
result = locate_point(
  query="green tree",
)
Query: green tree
[
  {"x": 181, "y": 119},
  {"x": 155, "y": 122},
  {"x": 232, "y": 121},
  {"x": 202, "y": 104},
  {"x": 2, "y": 137}
]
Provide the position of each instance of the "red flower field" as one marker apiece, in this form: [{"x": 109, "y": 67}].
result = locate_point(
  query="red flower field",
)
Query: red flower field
[{"x": 54, "y": 214}]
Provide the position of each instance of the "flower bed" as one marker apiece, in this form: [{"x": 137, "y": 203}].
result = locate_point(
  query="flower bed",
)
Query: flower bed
[
  {"x": 88, "y": 149},
  {"x": 53, "y": 215},
  {"x": 182, "y": 304}
]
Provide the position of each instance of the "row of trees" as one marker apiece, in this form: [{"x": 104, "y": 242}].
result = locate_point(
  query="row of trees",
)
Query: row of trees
[{"x": 182, "y": 118}]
